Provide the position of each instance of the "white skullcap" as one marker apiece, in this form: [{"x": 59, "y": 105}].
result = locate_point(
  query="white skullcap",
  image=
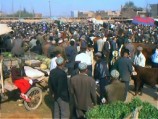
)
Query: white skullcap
[{"x": 115, "y": 73}]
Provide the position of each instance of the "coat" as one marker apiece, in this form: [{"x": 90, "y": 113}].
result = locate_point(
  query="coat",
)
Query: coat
[
  {"x": 124, "y": 66},
  {"x": 82, "y": 88},
  {"x": 115, "y": 91},
  {"x": 18, "y": 47}
]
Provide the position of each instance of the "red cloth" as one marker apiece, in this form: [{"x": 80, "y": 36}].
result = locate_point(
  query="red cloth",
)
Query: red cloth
[{"x": 22, "y": 84}]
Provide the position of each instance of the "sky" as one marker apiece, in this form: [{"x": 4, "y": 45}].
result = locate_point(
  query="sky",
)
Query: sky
[{"x": 64, "y": 7}]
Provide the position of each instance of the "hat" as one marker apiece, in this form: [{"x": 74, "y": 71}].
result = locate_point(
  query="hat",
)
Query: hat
[
  {"x": 126, "y": 51},
  {"x": 98, "y": 54},
  {"x": 53, "y": 42},
  {"x": 139, "y": 48},
  {"x": 66, "y": 39},
  {"x": 115, "y": 73},
  {"x": 82, "y": 66},
  {"x": 83, "y": 37},
  {"x": 59, "y": 60},
  {"x": 60, "y": 41},
  {"x": 72, "y": 40},
  {"x": 129, "y": 41}
]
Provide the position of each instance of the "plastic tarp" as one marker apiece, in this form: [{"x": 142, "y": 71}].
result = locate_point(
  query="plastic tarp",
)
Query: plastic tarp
[
  {"x": 4, "y": 29},
  {"x": 143, "y": 20}
]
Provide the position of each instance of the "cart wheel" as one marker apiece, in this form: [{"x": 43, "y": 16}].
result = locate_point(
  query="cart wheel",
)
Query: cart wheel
[
  {"x": 35, "y": 95},
  {"x": 3, "y": 97}
]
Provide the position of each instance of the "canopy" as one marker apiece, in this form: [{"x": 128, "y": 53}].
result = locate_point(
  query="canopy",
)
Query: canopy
[
  {"x": 143, "y": 20},
  {"x": 4, "y": 29}
]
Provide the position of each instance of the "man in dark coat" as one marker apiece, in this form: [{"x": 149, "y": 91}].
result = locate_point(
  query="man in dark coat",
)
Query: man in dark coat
[
  {"x": 131, "y": 48},
  {"x": 18, "y": 49},
  {"x": 82, "y": 89},
  {"x": 101, "y": 73},
  {"x": 124, "y": 66},
  {"x": 37, "y": 49},
  {"x": 71, "y": 52},
  {"x": 106, "y": 49},
  {"x": 58, "y": 85},
  {"x": 51, "y": 49}
]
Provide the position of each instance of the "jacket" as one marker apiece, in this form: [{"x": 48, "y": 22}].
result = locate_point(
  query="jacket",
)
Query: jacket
[
  {"x": 101, "y": 69},
  {"x": 124, "y": 66},
  {"x": 82, "y": 88}
]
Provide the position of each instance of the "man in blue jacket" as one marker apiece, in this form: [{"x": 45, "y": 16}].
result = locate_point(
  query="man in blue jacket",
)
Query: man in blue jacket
[{"x": 124, "y": 66}]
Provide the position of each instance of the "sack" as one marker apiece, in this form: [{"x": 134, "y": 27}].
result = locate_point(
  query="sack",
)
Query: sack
[{"x": 33, "y": 73}]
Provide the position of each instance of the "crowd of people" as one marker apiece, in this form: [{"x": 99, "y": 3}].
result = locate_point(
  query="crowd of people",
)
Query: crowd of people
[{"x": 86, "y": 50}]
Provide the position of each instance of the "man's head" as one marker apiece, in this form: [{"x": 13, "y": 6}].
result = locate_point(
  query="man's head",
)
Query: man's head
[
  {"x": 53, "y": 42},
  {"x": 139, "y": 49},
  {"x": 60, "y": 42},
  {"x": 126, "y": 53},
  {"x": 115, "y": 74},
  {"x": 98, "y": 55},
  {"x": 82, "y": 67},
  {"x": 72, "y": 43},
  {"x": 60, "y": 61}
]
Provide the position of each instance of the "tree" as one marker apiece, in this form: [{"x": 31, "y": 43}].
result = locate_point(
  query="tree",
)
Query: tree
[
  {"x": 21, "y": 13},
  {"x": 129, "y": 4}
]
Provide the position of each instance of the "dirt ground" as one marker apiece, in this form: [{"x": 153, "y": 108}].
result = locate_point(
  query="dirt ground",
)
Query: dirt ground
[{"x": 11, "y": 110}]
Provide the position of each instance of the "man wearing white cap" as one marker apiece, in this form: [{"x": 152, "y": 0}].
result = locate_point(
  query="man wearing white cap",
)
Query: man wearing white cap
[
  {"x": 139, "y": 58},
  {"x": 116, "y": 90},
  {"x": 61, "y": 49},
  {"x": 59, "y": 90},
  {"x": 82, "y": 89}
]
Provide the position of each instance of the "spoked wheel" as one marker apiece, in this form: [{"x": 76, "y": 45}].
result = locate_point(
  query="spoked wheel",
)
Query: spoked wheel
[{"x": 35, "y": 95}]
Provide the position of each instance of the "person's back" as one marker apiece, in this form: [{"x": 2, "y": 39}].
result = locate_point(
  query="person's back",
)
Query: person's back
[
  {"x": 131, "y": 48},
  {"x": 116, "y": 90},
  {"x": 82, "y": 87},
  {"x": 58, "y": 81},
  {"x": 37, "y": 49},
  {"x": 45, "y": 47},
  {"x": 71, "y": 53},
  {"x": 58, "y": 85},
  {"x": 17, "y": 49},
  {"x": 124, "y": 66}
]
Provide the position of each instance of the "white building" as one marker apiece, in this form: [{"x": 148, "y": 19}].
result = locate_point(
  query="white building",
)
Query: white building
[{"x": 74, "y": 14}]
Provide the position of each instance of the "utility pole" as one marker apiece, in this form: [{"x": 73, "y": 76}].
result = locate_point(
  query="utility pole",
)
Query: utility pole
[
  {"x": 1, "y": 9},
  {"x": 13, "y": 7},
  {"x": 50, "y": 9}
]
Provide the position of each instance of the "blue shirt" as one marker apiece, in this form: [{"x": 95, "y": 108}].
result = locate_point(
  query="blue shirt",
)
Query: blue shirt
[{"x": 154, "y": 58}]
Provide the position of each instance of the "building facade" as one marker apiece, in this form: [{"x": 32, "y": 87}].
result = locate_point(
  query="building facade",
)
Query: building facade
[{"x": 154, "y": 10}]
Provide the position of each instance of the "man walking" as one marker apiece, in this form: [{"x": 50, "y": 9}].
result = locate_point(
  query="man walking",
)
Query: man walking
[{"x": 58, "y": 86}]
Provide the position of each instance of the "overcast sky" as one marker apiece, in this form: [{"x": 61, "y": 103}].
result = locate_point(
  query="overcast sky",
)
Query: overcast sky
[{"x": 64, "y": 7}]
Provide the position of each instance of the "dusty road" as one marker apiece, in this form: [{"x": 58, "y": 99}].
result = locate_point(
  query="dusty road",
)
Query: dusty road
[{"x": 11, "y": 110}]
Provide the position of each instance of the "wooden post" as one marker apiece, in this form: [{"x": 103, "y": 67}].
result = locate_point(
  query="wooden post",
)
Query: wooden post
[{"x": 1, "y": 73}]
